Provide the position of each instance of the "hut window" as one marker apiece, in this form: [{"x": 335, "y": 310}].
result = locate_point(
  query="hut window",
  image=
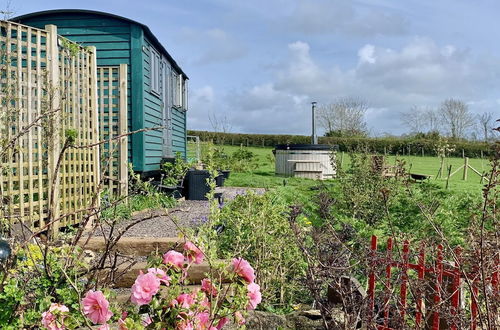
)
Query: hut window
[
  {"x": 176, "y": 90},
  {"x": 155, "y": 71}
]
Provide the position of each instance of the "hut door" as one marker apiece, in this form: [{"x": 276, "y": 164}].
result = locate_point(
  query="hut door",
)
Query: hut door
[{"x": 167, "y": 109}]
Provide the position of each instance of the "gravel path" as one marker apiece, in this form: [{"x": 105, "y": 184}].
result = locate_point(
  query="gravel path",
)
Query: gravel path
[{"x": 186, "y": 214}]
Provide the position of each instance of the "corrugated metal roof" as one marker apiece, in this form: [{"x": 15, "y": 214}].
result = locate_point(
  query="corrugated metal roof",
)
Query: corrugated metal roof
[{"x": 146, "y": 29}]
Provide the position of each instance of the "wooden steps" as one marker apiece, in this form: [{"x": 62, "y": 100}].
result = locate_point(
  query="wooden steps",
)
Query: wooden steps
[
  {"x": 135, "y": 246},
  {"x": 140, "y": 247}
]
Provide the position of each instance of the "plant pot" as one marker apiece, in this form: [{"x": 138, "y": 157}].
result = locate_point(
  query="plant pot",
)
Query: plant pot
[
  {"x": 225, "y": 174},
  {"x": 219, "y": 180},
  {"x": 196, "y": 187}
]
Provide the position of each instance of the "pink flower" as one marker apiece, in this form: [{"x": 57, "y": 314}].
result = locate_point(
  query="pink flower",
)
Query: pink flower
[
  {"x": 121, "y": 322},
  {"x": 238, "y": 317},
  {"x": 104, "y": 327},
  {"x": 222, "y": 322},
  {"x": 53, "y": 319},
  {"x": 96, "y": 307},
  {"x": 208, "y": 287},
  {"x": 203, "y": 320},
  {"x": 173, "y": 258},
  {"x": 243, "y": 269},
  {"x": 185, "y": 300},
  {"x": 194, "y": 254},
  {"x": 144, "y": 288},
  {"x": 205, "y": 302},
  {"x": 254, "y": 295},
  {"x": 162, "y": 276}
]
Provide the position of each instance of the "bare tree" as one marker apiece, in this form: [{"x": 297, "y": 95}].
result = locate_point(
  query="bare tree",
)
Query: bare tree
[
  {"x": 415, "y": 119},
  {"x": 486, "y": 123},
  {"x": 220, "y": 124},
  {"x": 433, "y": 120},
  {"x": 345, "y": 116},
  {"x": 456, "y": 117}
]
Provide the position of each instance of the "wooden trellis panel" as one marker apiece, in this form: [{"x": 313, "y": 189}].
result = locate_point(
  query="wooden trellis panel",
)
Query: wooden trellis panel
[
  {"x": 48, "y": 111},
  {"x": 112, "y": 83}
]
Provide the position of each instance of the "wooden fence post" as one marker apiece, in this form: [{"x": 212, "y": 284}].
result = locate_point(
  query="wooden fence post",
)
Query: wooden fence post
[
  {"x": 123, "y": 171},
  {"x": 55, "y": 104},
  {"x": 448, "y": 177},
  {"x": 466, "y": 167}
]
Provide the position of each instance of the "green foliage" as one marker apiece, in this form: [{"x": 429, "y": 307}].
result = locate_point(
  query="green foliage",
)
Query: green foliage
[
  {"x": 257, "y": 229},
  {"x": 372, "y": 204},
  {"x": 413, "y": 145},
  {"x": 142, "y": 196},
  {"x": 35, "y": 282},
  {"x": 174, "y": 172},
  {"x": 241, "y": 160},
  {"x": 71, "y": 135}
]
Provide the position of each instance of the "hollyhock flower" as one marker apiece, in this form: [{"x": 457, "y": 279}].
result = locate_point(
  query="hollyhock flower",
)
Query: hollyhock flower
[
  {"x": 162, "y": 276},
  {"x": 173, "y": 258},
  {"x": 254, "y": 295},
  {"x": 194, "y": 254},
  {"x": 239, "y": 318},
  {"x": 222, "y": 322},
  {"x": 144, "y": 288},
  {"x": 104, "y": 327},
  {"x": 208, "y": 287},
  {"x": 96, "y": 307},
  {"x": 53, "y": 319},
  {"x": 185, "y": 300},
  {"x": 243, "y": 269}
]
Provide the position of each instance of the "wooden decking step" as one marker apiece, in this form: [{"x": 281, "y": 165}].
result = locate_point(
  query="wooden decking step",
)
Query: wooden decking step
[
  {"x": 135, "y": 246},
  {"x": 195, "y": 274}
]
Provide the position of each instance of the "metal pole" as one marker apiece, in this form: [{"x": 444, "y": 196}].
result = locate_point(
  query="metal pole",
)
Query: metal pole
[{"x": 314, "y": 137}]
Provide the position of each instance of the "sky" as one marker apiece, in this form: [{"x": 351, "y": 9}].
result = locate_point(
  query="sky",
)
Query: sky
[{"x": 257, "y": 65}]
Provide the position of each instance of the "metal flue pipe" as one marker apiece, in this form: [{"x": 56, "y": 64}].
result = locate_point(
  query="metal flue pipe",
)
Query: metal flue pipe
[{"x": 314, "y": 138}]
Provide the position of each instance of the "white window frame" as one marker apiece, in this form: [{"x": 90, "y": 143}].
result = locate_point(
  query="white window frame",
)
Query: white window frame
[{"x": 155, "y": 67}]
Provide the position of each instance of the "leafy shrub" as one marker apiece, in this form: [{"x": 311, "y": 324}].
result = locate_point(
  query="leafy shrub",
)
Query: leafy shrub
[
  {"x": 174, "y": 172},
  {"x": 35, "y": 282},
  {"x": 241, "y": 160},
  {"x": 256, "y": 228},
  {"x": 162, "y": 299}
]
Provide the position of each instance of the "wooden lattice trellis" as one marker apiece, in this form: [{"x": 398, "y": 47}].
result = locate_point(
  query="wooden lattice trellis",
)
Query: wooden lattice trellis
[
  {"x": 48, "y": 112},
  {"x": 112, "y": 83}
]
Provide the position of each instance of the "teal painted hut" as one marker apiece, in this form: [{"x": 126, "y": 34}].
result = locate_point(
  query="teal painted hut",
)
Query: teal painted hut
[{"x": 157, "y": 86}]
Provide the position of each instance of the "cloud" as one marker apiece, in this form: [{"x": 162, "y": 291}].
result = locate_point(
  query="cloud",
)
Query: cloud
[
  {"x": 390, "y": 80},
  {"x": 212, "y": 45},
  {"x": 202, "y": 102},
  {"x": 343, "y": 17}
]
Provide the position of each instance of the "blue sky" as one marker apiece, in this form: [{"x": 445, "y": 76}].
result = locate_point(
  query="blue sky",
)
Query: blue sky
[{"x": 259, "y": 63}]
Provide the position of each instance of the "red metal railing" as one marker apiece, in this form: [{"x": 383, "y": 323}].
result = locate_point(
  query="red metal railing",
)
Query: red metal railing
[{"x": 443, "y": 299}]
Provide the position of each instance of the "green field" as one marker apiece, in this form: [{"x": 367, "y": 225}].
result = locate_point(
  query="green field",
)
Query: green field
[{"x": 264, "y": 175}]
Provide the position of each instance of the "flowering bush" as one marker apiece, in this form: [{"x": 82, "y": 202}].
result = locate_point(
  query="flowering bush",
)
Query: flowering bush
[{"x": 162, "y": 299}]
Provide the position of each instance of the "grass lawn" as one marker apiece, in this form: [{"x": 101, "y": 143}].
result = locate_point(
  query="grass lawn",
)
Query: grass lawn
[{"x": 264, "y": 175}]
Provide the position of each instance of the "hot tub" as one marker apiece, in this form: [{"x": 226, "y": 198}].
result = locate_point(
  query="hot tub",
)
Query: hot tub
[{"x": 312, "y": 161}]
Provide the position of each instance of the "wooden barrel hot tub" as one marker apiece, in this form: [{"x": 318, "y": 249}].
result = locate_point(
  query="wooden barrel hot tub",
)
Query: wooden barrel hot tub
[{"x": 312, "y": 161}]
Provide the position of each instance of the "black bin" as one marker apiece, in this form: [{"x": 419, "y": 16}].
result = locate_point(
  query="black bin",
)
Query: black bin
[{"x": 196, "y": 185}]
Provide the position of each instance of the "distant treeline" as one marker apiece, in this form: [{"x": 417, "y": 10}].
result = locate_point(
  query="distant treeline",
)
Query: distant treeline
[{"x": 386, "y": 145}]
